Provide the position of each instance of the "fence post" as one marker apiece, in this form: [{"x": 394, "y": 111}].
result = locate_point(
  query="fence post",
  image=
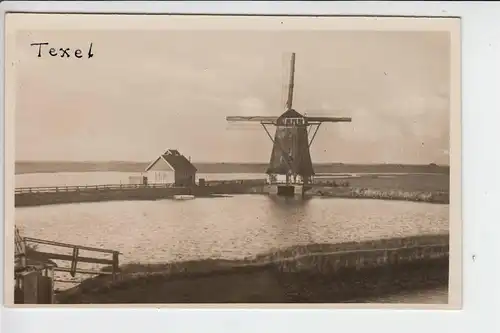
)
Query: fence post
[
  {"x": 115, "y": 265},
  {"x": 74, "y": 262}
]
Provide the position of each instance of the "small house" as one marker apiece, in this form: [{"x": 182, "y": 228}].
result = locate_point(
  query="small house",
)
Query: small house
[{"x": 172, "y": 168}]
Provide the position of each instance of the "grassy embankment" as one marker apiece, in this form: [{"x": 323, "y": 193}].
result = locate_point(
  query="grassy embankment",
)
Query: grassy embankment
[
  {"x": 366, "y": 189},
  {"x": 309, "y": 273}
]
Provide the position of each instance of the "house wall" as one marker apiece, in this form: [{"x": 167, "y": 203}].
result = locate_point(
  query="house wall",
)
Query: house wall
[
  {"x": 161, "y": 177},
  {"x": 183, "y": 177},
  {"x": 161, "y": 173}
]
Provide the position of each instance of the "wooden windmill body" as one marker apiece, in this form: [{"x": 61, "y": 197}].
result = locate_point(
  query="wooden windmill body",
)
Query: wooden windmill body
[{"x": 290, "y": 169}]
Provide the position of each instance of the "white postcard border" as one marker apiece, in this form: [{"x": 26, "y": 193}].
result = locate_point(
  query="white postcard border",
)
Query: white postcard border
[{"x": 480, "y": 79}]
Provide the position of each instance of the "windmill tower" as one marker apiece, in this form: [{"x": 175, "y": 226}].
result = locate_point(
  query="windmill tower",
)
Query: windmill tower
[{"x": 290, "y": 168}]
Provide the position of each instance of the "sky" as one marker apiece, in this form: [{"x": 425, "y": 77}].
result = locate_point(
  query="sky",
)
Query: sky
[{"x": 144, "y": 92}]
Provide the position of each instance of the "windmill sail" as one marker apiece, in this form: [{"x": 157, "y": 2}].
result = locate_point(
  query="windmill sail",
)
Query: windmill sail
[{"x": 289, "y": 100}]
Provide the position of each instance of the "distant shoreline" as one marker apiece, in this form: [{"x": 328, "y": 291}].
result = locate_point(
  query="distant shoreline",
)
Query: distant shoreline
[{"x": 27, "y": 167}]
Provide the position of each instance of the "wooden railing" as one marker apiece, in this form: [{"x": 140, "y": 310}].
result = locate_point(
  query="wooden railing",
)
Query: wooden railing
[
  {"x": 120, "y": 187},
  {"x": 236, "y": 181},
  {"x": 54, "y": 189},
  {"x": 74, "y": 259}
]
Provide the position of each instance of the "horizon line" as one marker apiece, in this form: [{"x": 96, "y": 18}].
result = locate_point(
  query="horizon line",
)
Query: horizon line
[{"x": 208, "y": 162}]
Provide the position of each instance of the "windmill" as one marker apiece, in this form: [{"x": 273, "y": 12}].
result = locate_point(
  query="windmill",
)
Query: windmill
[{"x": 290, "y": 168}]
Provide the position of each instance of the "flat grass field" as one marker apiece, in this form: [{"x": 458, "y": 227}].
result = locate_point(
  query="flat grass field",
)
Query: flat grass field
[{"x": 410, "y": 182}]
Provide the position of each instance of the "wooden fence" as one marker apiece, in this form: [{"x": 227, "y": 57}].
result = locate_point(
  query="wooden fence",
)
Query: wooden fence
[
  {"x": 75, "y": 258},
  {"x": 55, "y": 189},
  {"x": 121, "y": 187},
  {"x": 34, "y": 278}
]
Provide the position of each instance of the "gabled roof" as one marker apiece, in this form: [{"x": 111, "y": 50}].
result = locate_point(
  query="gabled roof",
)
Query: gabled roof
[{"x": 176, "y": 160}]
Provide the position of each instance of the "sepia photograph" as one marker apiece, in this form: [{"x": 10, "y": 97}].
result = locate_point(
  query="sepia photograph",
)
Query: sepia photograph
[{"x": 174, "y": 159}]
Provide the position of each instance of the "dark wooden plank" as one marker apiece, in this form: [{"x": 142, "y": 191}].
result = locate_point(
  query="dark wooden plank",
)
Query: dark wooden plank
[
  {"x": 115, "y": 265},
  {"x": 74, "y": 262},
  {"x": 67, "y": 281},
  {"x": 82, "y": 271},
  {"x": 85, "y": 248},
  {"x": 56, "y": 256}
]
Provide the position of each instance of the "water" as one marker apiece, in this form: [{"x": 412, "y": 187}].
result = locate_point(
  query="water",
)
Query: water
[
  {"x": 231, "y": 227},
  {"x": 102, "y": 178}
]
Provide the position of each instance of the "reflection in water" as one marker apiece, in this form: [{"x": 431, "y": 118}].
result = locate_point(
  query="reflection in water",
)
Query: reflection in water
[{"x": 285, "y": 215}]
